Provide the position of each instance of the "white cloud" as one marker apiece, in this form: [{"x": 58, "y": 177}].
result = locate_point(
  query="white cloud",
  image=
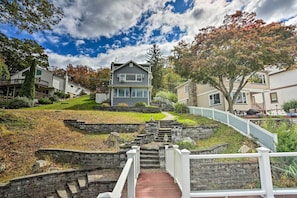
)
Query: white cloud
[
  {"x": 85, "y": 19},
  {"x": 79, "y": 42},
  {"x": 136, "y": 53},
  {"x": 92, "y": 19}
]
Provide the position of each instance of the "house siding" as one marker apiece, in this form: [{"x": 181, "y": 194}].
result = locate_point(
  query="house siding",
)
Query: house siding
[
  {"x": 203, "y": 92},
  {"x": 115, "y": 84},
  {"x": 284, "y": 84}
]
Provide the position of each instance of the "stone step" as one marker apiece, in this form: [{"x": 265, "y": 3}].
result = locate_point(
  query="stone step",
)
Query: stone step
[
  {"x": 149, "y": 157},
  {"x": 149, "y": 149},
  {"x": 94, "y": 177},
  {"x": 149, "y": 166},
  {"x": 149, "y": 161},
  {"x": 82, "y": 182},
  {"x": 149, "y": 152},
  {"x": 73, "y": 187},
  {"x": 62, "y": 193}
]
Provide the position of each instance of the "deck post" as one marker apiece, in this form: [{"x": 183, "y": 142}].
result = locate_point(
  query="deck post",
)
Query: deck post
[
  {"x": 185, "y": 168},
  {"x": 265, "y": 172},
  {"x": 137, "y": 162},
  {"x": 131, "y": 176},
  {"x": 175, "y": 147}
]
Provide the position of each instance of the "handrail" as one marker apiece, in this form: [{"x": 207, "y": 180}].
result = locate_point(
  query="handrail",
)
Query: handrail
[
  {"x": 117, "y": 191},
  {"x": 129, "y": 173},
  {"x": 245, "y": 127},
  {"x": 175, "y": 167}
]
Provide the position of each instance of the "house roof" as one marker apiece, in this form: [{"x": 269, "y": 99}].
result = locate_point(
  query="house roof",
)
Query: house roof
[{"x": 117, "y": 66}]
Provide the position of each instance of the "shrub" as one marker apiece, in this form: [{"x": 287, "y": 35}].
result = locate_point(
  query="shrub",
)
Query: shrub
[
  {"x": 168, "y": 95},
  {"x": 45, "y": 101},
  {"x": 292, "y": 104},
  {"x": 20, "y": 102},
  {"x": 140, "y": 104},
  {"x": 4, "y": 103},
  {"x": 93, "y": 96},
  {"x": 62, "y": 95},
  {"x": 186, "y": 145},
  {"x": 181, "y": 108},
  {"x": 105, "y": 104},
  {"x": 54, "y": 98},
  {"x": 122, "y": 104}
]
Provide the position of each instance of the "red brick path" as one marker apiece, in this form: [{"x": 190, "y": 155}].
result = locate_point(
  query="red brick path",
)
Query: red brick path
[{"x": 156, "y": 184}]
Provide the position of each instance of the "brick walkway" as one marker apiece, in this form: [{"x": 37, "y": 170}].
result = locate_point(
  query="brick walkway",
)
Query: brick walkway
[{"x": 156, "y": 184}]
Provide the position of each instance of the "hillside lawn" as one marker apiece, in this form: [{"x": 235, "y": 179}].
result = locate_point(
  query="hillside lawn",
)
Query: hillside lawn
[{"x": 24, "y": 131}]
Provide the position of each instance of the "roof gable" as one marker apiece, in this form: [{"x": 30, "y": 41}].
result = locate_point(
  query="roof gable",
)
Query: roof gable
[{"x": 117, "y": 66}]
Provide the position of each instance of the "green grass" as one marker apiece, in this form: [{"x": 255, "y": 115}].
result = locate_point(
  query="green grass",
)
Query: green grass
[
  {"x": 81, "y": 103},
  {"x": 84, "y": 103},
  {"x": 192, "y": 120},
  {"x": 223, "y": 134}
]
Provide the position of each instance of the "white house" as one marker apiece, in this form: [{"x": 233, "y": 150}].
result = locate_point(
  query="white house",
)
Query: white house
[
  {"x": 282, "y": 88},
  {"x": 46, "y": 83}
]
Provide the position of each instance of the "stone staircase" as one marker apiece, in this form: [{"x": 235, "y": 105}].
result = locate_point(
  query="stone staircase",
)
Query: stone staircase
[
  {"x": 164, "y": 135},
  {"x": 80, "y": 188},
  {"x": 149, "y": 158}
]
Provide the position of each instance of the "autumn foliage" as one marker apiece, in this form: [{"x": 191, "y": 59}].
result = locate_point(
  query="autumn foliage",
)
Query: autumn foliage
[
  {"x": 85, "y": 76},
  {"x": 236, "y": 50}
]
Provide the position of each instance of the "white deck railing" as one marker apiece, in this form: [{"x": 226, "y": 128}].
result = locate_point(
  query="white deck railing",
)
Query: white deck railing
[
  {"x": 129, "y": 173},
  {"x": 178, "y": 166},
  {"x": 245, "y": 127}
]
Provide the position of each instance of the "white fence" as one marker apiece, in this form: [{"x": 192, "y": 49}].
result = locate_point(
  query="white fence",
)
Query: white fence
[
  {"x": 178, "y": 166},
  {"x": 245, "y": 127},
  {"x": 129, "y": 173}
]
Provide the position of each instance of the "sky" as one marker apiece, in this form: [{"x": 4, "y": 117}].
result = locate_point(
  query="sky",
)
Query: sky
[{"x": 97, "y": 32}]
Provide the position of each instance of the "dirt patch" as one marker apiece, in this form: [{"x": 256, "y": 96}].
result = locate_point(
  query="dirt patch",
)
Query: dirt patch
[{"x": 45, "y": 128}]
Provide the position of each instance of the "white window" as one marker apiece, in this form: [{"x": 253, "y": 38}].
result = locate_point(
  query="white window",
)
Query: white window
[
  {"x": 186, "y": 88},
  {"x": 122, "y": 92},
  {"x": 258, "y": 78},
  {"x": 138, "y": 93},
  {"x": 130, "y": 77},
  {"x": 241, "y": 98},
  {"x": 214, "y": 99},
  {"x": 122, "y": 77}
]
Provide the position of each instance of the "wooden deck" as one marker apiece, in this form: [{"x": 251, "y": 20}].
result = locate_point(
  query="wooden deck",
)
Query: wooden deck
[{"x": 154, "y": 183}]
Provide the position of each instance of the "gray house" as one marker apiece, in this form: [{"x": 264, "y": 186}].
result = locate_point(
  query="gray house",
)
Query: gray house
[{"x": 130, "y": 83}]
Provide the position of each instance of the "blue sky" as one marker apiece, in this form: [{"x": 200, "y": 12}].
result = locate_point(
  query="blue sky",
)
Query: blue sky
[{"x": 98, "y": 32}]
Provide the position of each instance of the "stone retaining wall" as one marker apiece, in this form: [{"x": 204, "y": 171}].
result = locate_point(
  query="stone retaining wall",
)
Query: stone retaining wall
[
  {"x": 130, "y": 109},
  {"x": 91, "y": 159},
  {"x": 198, "y": 133},
  {"x": 104, "y": 128},
  {"x": 223, "y": 175},
  {"x": 46, "y": 184}
]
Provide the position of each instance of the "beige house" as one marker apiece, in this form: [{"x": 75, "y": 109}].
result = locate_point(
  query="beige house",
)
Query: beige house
[{"x": 207, "y": 96}]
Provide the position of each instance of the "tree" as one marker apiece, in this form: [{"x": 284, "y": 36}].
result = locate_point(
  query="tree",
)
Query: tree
[
  {"x": 30, "y": 15},
  {"x": 226, "y": 57},
  {"x": 154, "y": 58},
  {"x": 4, "y": 73},
  {"x": 85, "y": 75},
  {"x": 28, "y": 87},
  {"x": 16, "y": 53},
  {"x": 170, "y": 79}
]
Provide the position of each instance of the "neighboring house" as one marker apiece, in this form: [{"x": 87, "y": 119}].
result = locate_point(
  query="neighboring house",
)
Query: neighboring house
[
  {"x": 130, "y": 83},
  {"x": 46, "y": 83},
  {"x": 204, "y": 95},
  {"x": 283, "y": 88}
]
